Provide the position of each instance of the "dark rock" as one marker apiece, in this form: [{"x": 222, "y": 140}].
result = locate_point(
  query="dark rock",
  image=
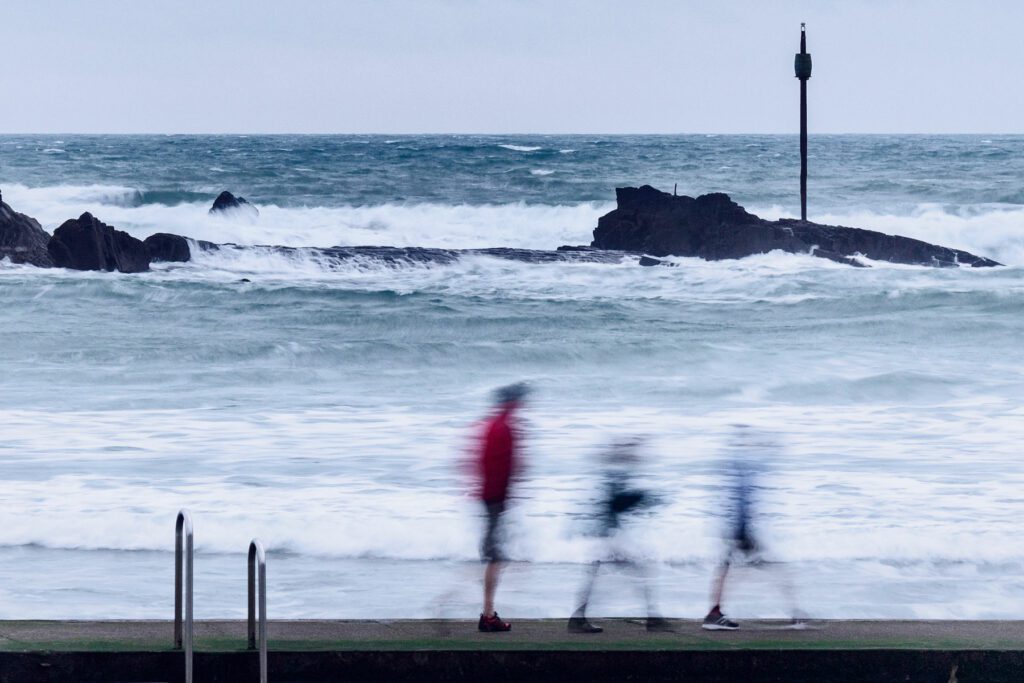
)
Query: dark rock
[
  {"x": 86, "y": 243},
  {"x": 648, "y": 261},
  {"x": 22, "y": 239},
  {"x": 714, "y": 227},
  {"x": 164, "y": 246},
  {"x": 226, "y": 201}
]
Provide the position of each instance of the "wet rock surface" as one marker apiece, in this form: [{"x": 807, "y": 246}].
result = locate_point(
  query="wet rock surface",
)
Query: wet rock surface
[
  {"x": 164, "y": 246},
  {"x": 714, "y": 227},
  {"x": 86, "y": 243},
  {"x": 22, "y": 239},
  {"x": 226, "y": 201}
]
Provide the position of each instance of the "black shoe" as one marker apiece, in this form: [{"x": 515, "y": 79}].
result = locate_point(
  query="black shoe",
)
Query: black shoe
[
  {"x": 659, "y": 624},
  {"x": 582, "y": 625},
  {"x": 716, "y": 621}
]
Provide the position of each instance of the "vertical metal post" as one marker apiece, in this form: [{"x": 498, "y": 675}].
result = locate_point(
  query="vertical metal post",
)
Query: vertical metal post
[
  {"x": 258, "y": 557},
  {"x": 179, "y": 550},
  {"x": 803, "y": 150},
  {"x": 802, "y": 66},
  {"x": 183, "y": 566}
]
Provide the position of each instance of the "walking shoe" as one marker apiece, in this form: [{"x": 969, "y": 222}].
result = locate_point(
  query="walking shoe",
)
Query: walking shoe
[
  {"x": 716, "y": 621},
  {"x": 582, "y": 625},
  {"x": 493, "y": 624},
  {"x": 659, "y": 624},
  {"x": 799, "y": 621}
]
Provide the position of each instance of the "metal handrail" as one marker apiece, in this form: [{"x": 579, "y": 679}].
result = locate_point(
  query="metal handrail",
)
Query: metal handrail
[
  {"x": 183, "y": 547},
  {"x": 258, "y": 556}
]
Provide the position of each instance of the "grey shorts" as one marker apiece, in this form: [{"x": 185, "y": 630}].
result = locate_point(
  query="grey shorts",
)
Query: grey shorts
[{"x": 490, "y": 548}]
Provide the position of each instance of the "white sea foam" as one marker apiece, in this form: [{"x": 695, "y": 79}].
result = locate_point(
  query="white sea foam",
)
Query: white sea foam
[
  {"x": 775, "y": 278},
  {"x": 521, "y": 148},
  {"x": 541, "y": 172},
  {"x": 428, "y": 225},
  {"x": 63, "y": 200},
  {"x": 328, "y": 503}
]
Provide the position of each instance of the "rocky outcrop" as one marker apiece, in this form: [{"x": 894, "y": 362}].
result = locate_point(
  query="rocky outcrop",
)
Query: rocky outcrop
[
  {"x": 163, "y": 246},
  {"x": 22, "y": 239},
  {"x": 86, "y": 243},
  {"x": 646, "y": 225},
  {"x": 714, "y": 227},
  {"x": 226, "y": 202}
]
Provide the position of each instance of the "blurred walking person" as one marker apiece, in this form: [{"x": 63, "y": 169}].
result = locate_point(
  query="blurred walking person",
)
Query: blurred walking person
[
  {"x": 620, "y": 499},
  {"x": 497, "y": 465},
  {"x": 749, "y": 450}
]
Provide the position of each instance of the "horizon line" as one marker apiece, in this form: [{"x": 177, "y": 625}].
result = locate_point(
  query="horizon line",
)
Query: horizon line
[{"x": 516, "y": 134}]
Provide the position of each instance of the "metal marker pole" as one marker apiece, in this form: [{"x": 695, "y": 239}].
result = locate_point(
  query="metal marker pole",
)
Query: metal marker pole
[{"x": 802, "y": 66}]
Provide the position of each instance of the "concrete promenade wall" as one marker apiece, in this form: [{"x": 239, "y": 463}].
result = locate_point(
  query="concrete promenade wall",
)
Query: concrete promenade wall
[
  {"x": 535, "y": 652},
  {"x": 524, "y": 666}
]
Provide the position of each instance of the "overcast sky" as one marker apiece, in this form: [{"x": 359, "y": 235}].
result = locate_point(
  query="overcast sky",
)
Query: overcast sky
[{"x": 508, "y": 66}]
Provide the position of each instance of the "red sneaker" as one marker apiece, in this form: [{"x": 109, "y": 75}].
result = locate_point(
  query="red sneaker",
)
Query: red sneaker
[{"x": 493, "y": 624}]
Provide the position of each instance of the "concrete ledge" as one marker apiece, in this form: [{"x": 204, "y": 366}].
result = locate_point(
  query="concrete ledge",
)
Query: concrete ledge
[
  {"x": 537, "y": 651},
  {"x": 818, "y": 666}
]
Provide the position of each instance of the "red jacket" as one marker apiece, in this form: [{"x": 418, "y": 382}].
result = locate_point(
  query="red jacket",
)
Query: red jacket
[{"x": 497, "y": 458}]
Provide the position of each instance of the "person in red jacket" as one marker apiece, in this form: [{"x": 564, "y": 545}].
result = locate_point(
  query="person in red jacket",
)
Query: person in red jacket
[{"x": 497, "y": 463}]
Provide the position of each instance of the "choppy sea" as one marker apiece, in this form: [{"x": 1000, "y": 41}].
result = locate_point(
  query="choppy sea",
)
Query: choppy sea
[{"x": 327, "y": 408}]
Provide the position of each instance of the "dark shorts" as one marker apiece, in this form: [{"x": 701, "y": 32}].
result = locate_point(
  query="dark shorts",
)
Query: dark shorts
[
  {"x": 743, "y": 541},
  {"x": 490, "y": 548}
]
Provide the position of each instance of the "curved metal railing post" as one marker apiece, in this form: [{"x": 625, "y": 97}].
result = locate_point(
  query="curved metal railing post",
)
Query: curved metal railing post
[
  {"x": 183, "y": 547},
  {"x": 258, "y": 557}
]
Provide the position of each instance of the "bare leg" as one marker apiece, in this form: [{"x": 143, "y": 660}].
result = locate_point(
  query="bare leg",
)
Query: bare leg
[
  {"x": 718, "y": 586},
  {"x": 491, "y": 575}
]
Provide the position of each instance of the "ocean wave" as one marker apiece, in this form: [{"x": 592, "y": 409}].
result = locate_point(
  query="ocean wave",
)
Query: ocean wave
[
  {"x": 521, "y": 148},
  {"x": 346, "y": 517},
  {"x": 142, "y": 213},
  {"x": 35, "y": 201},
  {"x": 777, "y": 279}
]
